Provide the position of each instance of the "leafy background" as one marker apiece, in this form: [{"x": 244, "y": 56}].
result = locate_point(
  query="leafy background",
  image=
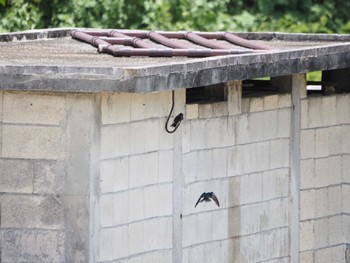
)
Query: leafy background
[{"x": 312, "y": 16}]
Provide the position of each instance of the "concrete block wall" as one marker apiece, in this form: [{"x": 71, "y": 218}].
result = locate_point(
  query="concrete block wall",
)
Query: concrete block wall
[
  {"x": 241, "y": 155},
  {"x": 136, "y": 179},
  {"x": 324, "y": 179}
]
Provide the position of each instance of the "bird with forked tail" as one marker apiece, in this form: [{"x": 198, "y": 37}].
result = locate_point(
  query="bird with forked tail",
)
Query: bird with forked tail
[{"x": 207, "y": 197}]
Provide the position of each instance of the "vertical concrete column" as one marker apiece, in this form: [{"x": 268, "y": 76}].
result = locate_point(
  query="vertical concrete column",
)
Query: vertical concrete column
[
  {"x": 234, "y": 97},
  {"x": 296, "y": 84},
  {"x": 82, "y": 173},
  {"x": 180, "y": 100}
]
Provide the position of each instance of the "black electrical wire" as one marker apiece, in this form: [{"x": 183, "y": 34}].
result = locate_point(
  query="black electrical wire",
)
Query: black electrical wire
[{"x": 171, "y": 111}]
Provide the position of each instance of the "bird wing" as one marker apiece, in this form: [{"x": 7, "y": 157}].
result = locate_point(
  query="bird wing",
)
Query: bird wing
[
  {"x": 215, "y": 199},
  {"x": 202, "y": 195}
]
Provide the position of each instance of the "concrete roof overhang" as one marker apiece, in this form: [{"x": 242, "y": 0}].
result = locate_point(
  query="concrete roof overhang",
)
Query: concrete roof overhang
[{"x": 50, "y": 60}]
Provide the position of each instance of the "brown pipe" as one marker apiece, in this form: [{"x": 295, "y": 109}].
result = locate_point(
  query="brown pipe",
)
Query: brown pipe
[
  {"x": 82, "y": 36},
  {"x": 166, "y": 41},
  {"x": 136, "y": 42},
  {"x": 244, "y": 42},
  {"x": 205, "y": 42}
]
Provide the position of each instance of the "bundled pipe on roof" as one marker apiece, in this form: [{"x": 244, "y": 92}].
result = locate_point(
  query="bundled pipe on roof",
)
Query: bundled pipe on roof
[{"x": 105, "y": 45}]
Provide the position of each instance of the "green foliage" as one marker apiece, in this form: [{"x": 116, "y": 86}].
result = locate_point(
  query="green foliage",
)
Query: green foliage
[{"x": 315, "y": 16}]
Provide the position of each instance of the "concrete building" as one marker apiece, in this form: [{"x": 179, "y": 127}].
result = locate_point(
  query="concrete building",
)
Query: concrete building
[{"x": 88, "y": 172}]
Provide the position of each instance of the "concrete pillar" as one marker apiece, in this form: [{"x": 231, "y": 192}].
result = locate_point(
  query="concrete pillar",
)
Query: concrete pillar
[
  {"x": 180, "y": 99},
  {"x": 340, "y": 77},
  {"x": 234, "y": 97},
  {"x": 82, "y": 173},
  {"x": 296, "y": 84}
]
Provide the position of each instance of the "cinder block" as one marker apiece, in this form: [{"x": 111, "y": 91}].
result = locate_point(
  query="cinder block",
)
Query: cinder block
[
  {"x": 334, "y": 200},
  {"x": 212, "y": 133},
  {"x": 307, "y": 144},
  {"x": 262, "y": 157},
  {"x": 203, "y": 221},
  {"x": 143, "y": 170},
  {"x": 321, "y": 142},
  {"x": 307, "y": 174},
  {"x": 20, "y": 245},
  {"x": 227, "y": 131},
  {"x": 205, "y": 165},
  {"x": 219, "y": 163},
  {"x": 345, "y": 168},
  {"x": 163, "y": 100},
  {"x": 221, "y": 225},
  {"x": 307, "y": 236},
  {"x": 269, "y": 185},
  {"x": 136, "y": 207},
  {"x": 198, "y": 134},
  {"x": 284, "y": 123},
  {"x": 165, "y": 172},
  {"x": 343, "y": 108},
  {"x": 151, "y": 201},
  {"x": 335, "y": 230},
  {"x": 346, "y": 196},
  {"x": 192, "y": 111},
  {"x": 165, "y": 197},
  {"x": 321, "y": 172},
  {"x": 106, "y": 246},
  {"x": 115, "y": 108},
  {"x": 136, "y": 238},
  {"x": 277, "y": 213},
  {"x": 164, "y": 230},
  {"x": 307, "y": 204},
  {"x": 234, "y": 163},
  {"x": 249, "y": 184},
  {"x": 189, "y": 226},
  {"x": 213, "y": 252},
  {"x": 120, "y": 204},
  {"x": 304, "y": 115},
  {"x": 137, "y": 137},
  {"x": 245, "y": 105},
  {"x": 32, "y": 212},
  {"x": 16, "y": 176},
  {"x": 346, "y": 228},
  {"x": 282, "y": 176},
  {"x": 256, "y": 126},
  {"x": 321, "y": 233},
  {"x": 335, "y": 140},
  {"x": 252, "y": 218},
  {"x": 152, "y": 105},
  {"x": 331, "y": 254},
  {"x": 270, "y": 119},
  {"x": 197, "y": 254},
  {"x": 33, "y": 108},
  {"x": 114, "y": 175},
  {"x": 190, "y": 167},
  {"x": 219, "y": 109},
  {"x": 151, "y": 135},
  {"x": 271, "y": 102},
  {"x": 345, "y": 137},
  {"x": 138, "y": 106},
  {"x": 256, "y": 104},
  {"x": 205, "y": 111},
  {"x": 33, "y": 142},
  {"x": 321, "y": 205},
  {"x": 115, "y": 141},
  {"x": 307, "y": 257},
  {"x": 186, "y": 137},
  {"x": 315, "y": 117},
  {"x": 284, "y": 100},
  {"x": 329, "y": 115},
  {"x": 248, "y": 157},
  {"x": 49, "y": 177},
  {"x": 120, "y": 242},
  {"x": 106, "y": 210},
  {"x": 242, "y": 127},
  {"x": 279, "y": 153}
]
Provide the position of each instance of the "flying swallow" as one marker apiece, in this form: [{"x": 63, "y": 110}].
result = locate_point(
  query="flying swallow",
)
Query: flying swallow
[
  {"x": 205, "y": 197},
  {"x": 177, "y": 120}
]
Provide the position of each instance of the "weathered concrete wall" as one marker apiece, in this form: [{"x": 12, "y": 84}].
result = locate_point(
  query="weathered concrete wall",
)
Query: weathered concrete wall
[
  {"x": 241, "y": 153},
  {"x": 136, "y": 202},
  {"x": 46, "y": 165},
  {"x": 325, "y": 179}
]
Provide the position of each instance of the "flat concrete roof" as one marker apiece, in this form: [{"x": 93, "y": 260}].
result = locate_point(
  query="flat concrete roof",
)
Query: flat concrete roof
[{"x": 50, "y": 60}]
